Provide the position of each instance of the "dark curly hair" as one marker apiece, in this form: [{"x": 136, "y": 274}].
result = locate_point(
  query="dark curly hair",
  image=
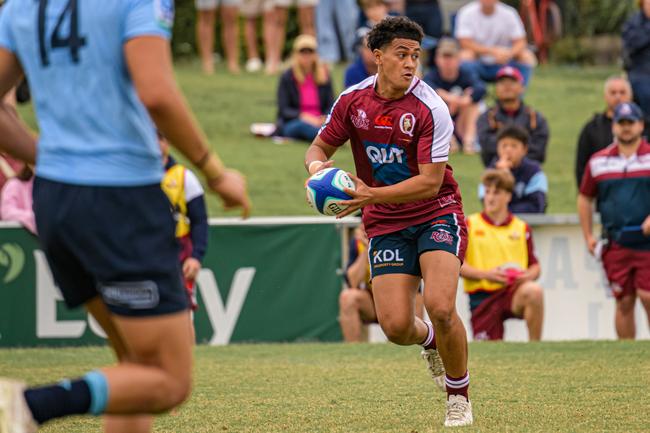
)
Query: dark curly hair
[{"x": 390, "y": 28}]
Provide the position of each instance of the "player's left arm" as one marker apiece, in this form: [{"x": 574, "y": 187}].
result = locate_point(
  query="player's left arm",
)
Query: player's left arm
[
  {"x": 15, "y": 138},
  {"x": 422, "y": 186}
]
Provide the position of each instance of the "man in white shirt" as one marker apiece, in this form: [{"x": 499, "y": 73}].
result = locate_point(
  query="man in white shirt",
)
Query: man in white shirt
[{"x": 491, "y": 36}]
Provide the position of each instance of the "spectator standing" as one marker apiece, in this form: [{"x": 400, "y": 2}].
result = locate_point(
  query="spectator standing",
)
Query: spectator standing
[
  {"x": 16, "y": 199},
  {"x": 460, "y": 88},
  {"x": 251, "y": 10},
  {"x": 510, "y": 109},
  {"x": 306, "y": 22},
  {"x": 336, "y": 21},
  {"x": 636, "y": 48},
  {"x": 187, "y": 199},
  {"x": 500, "y": 266},
  {"x": 597, "y": 133},
  {"x": 531, "y": 184},
  {"x": 205, "y": 25},
  {"x": 364, "y": 64},
  {"x": 492, "y": 36},
  {"x": 617, "y": 178},
  {"x": 305, "y": 92}
]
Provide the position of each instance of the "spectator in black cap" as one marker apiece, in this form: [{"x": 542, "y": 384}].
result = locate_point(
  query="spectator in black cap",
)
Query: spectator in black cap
[{"x": 510, "y": 109}]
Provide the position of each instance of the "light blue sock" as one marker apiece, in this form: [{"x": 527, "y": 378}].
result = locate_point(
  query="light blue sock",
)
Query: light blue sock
[{"x": 98, "y": 385}]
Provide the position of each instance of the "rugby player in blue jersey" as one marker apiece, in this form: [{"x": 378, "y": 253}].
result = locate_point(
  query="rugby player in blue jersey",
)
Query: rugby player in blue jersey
[{"x": 101, "y": 77}]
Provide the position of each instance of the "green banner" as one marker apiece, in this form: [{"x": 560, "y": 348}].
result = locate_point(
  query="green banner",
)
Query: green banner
[{"x": 270, "y": 283}]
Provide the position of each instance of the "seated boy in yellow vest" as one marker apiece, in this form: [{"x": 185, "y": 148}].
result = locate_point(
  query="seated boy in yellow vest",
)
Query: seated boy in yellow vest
[
  {"x": 500, "y": 266},
  {"x": 186, "y": 196}
]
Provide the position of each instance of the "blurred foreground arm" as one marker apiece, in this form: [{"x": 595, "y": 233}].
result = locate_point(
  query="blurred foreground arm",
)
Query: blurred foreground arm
[{"x": 150, "y": 66}]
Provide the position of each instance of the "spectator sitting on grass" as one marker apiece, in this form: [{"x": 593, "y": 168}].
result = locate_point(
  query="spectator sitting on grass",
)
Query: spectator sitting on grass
[
  {"x": 500, "y": 266},
  {"x": 510, "y": 109},
  {"x": 531, "y": 185},
  {"x": 460, "y": 88},
  {"x": 597, "y": 133},
  {"x": 305, "y": 93},
  {"x": 16, "y": 199}
]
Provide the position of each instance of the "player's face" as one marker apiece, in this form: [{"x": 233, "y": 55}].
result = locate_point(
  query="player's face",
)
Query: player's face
[
  {"x": 495, "y": 199},
  {"x": 508, "y": 89},
  {"x": 398, "y": 62},
  {"x": 617, "y": 91},
  {"x": 627, "y": 132},
  {"x": 512, "y": 150}
]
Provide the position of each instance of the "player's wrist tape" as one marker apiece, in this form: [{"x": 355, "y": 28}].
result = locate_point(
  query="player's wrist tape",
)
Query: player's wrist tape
[
  {"x": 311, "y": 164},
  {"x": 212, "y": 167}
]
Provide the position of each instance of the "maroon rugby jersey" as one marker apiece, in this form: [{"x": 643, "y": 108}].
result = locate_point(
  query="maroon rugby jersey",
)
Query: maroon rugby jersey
[{"x": 389, "y": 138}]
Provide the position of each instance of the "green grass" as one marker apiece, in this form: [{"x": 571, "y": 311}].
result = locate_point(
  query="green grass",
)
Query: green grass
[
  {"x": 227, "y": 105},
  {"x": 541, "y": 387}
]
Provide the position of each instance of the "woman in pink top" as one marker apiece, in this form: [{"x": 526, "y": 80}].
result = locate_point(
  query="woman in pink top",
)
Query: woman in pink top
[
  {"x": 16, "y": 199},
  {"x": 305, "y": 92}
]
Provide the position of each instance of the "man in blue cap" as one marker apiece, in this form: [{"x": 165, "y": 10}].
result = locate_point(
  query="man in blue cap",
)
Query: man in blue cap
[{"x": 618, "y": 179}]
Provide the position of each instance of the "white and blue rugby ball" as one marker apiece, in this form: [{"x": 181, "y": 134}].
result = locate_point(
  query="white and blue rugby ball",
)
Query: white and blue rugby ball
[{"x": 325, "y": 188}]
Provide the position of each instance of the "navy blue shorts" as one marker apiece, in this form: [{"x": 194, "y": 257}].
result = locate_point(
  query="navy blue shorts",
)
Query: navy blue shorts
[
  {"x": 399, "y": 252},
  {"x": 116, "y": 242}
]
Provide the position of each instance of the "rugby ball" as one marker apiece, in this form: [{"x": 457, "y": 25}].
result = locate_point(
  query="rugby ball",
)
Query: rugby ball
[{"x": 325, "y": 188}]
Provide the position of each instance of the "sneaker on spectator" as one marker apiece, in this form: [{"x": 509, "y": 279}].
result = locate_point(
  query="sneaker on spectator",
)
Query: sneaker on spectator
[
  {"x": 254, "y": 65},
  {"x": 15, "y": 416}
]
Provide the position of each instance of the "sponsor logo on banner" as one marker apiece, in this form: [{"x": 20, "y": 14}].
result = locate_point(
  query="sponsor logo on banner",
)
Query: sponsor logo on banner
[
  {"x": 12, "y": 261},
  {"x": 407, "y": 123},
  {"x": 442, "y": 237},
  {"x": 383, "y": 122},
  {"x": 361, "y": 120}
]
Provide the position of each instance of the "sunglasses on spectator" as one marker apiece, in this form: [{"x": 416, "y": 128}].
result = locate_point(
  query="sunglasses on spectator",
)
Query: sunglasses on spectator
[{"x": 306, "y": 51}]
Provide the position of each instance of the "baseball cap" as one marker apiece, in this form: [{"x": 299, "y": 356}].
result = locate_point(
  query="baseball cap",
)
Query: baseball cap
[
  {"x": 447, "y": 46},
  {"x": 510, "y": 72},
  {"x": 628, "y": 111},
  {"x": 305, "y": 41}
]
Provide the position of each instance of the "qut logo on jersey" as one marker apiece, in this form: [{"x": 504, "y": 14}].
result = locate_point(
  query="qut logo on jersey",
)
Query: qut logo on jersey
[
  {"x": 384, "y": 155},
  {"x": 386, "y": 257}
]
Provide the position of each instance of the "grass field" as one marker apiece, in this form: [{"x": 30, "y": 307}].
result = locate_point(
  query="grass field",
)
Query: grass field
[
  {"x": 541, "y": 387},
  {"x": 227, "y": 105}
]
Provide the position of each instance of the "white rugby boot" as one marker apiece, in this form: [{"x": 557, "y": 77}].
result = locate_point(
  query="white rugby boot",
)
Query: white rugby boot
[
  {"x": 435, "y": 366},
  {"x": 459, "y": 412},
  {"x": 15, "y": 416}
]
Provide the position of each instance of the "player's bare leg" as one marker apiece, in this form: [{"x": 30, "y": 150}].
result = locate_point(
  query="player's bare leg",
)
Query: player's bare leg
[
  {"x": 440, "y": 271},
  {"x": 624, "y": 319},
  {"x": 644, "y": 296},
  {"x": 394, "y": 296},
  {"x": 528, "y": 302},
  {"x": 355, "y": 306},
  {"x": 205, "y": 24}
]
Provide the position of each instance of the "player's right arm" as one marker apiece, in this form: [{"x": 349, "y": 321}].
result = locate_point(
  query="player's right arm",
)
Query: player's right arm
[
  {"x": 149, "y": 63},
  {"x": 15, "y": 138}
]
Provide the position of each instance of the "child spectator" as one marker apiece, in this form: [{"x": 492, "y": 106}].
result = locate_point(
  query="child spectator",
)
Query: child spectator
[
  {"x": 500, "y": 266},
  {"x": 531, "y": 185},
  {"x": 460, "y": 88},
  {"x": 305, "y": 92},
  {"x": 186, "y": 196},
  {"x": 16, "y": 199}
]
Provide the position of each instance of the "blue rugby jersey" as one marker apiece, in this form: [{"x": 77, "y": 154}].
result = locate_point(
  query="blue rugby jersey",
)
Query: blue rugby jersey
[{"x": 94, "y": 130}]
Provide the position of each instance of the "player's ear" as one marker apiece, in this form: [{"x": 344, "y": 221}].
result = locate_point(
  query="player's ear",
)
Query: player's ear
[{"x": 378, "y": 55}]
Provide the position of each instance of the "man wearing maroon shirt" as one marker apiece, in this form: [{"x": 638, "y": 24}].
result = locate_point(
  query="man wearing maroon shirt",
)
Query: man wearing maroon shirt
[{"x": 400, "y": 131}]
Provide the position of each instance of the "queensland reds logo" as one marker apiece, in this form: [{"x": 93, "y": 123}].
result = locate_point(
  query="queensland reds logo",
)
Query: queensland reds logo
[
  {"x": 407, "y": 123},
  {"x": 361, "y": 120},
  {"x": 442, "y": 237}
]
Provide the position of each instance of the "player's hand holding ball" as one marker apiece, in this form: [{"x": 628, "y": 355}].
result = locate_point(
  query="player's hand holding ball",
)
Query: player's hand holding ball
[{"x": 327, "y": 188}]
